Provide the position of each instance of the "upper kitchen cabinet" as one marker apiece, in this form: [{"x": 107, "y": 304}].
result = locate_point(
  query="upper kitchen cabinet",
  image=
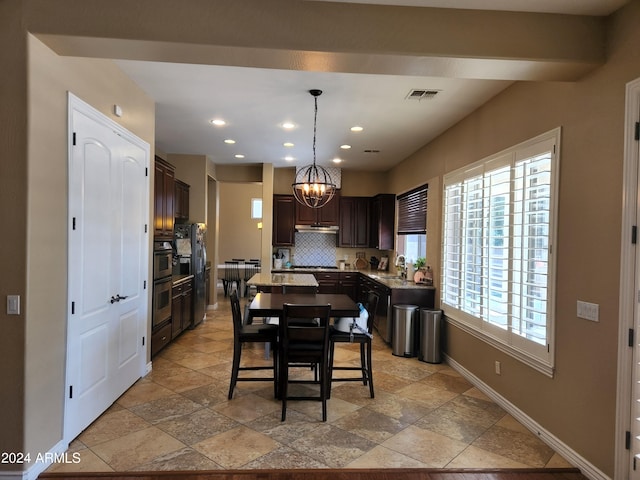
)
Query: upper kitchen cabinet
[
  {"x": 284, "y": 215},
  {"x": 181, "y": 201},
  {"x": 354, "y": 222},
  {"x": 383, "y": 218},
  {"x": 327, "y": 216},
  {"x": 163, "y": 200}
]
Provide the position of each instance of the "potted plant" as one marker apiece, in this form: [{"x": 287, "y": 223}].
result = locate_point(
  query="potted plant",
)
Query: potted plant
[{"x": 420, "y": 266}]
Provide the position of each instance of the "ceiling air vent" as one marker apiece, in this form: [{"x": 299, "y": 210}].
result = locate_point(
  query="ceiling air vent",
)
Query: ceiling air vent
[{"x": 421, "y": 94}]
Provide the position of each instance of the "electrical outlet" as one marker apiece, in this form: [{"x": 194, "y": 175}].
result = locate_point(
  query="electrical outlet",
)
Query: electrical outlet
[
  {"x": 498, "y": 368},
  {"x": 13, "y": 304},
  {"x": 588, "y": 311}
]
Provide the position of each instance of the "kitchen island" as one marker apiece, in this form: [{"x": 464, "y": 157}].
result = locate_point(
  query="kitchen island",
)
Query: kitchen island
[{"x": 286, "y": 282}]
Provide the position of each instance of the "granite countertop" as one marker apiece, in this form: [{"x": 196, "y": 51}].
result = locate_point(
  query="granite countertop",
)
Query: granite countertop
[
  {"x": 386, "y": 278},
  {"x": 286, "y": 278}
]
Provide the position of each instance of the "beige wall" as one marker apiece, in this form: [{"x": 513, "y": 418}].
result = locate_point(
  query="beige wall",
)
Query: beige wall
[
  {"x": 239, "y": 235},
  {"x": 577, "y": 405},
  {"x": 101, "y": 84},
  {"x": 192, "y": 170}
]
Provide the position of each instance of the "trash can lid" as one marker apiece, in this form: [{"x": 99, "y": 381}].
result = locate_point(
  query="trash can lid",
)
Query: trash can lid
[{"x": 400, "y": 306}]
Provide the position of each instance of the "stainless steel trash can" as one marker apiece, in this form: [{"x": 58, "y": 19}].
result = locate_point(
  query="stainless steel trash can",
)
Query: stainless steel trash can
[
  {"x": 405, "y": 322},
  {"x": 430, "y": 331}
]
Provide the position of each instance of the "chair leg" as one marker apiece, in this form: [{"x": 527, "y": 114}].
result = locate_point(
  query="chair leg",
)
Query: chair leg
[
  {"x": 370, "y": 370},
  {"x": 330, "y": 367},
  {"x": 237, "y": 350},
  {"x": 284, "y": 380},
  {"x": 323, "y": 388},
  {"x": 363, "y": 364}
]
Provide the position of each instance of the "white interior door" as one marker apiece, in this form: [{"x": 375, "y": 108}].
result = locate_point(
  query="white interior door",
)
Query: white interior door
[
  {"x": 634, "y": 467},
  {"x": 108, "y": 264}
]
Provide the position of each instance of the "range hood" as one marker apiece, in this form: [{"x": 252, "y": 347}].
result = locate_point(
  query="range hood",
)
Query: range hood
[{"x": 317, "y": 229}]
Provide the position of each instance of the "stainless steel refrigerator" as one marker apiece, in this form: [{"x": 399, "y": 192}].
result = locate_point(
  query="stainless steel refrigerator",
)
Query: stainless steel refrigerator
[{"x": 190, "y": 244}]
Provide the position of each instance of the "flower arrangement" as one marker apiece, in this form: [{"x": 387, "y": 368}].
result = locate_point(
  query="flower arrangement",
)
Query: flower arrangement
[{"x": 420, "y": 263}]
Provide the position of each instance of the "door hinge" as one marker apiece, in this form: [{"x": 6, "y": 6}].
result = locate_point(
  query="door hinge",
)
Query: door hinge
[
  {"x": 637, "y": 132},
  {"x": 143, "y": 341},
  {"x": 70, "y": 391},
  {"x": 73, "y": 223},
  {"x": 631, "y": 337},
  {"x": 74, "y": 138},
  {"x": 634, "y": 463},
  {"x": 627, "y": 440},
  {"x": 73, "y": 308},
  {"x": 144, "y": 285},
  {"x": 634, "y": 234},
  {"x": 146, "y": 172},
  {"x": 145, "y": 228}
]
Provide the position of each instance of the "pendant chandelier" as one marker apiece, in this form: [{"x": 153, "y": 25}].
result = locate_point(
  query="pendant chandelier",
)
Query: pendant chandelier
[{"x": 313, "y": 186}]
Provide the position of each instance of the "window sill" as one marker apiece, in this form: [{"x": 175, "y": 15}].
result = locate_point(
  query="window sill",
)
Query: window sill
[{"x": 523, "y": 357}]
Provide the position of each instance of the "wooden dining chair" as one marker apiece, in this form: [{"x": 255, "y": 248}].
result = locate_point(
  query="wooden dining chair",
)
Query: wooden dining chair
[
  {"x": 231, "y": 276},
  {"x": 356, "y": 336},
  {"x": 253, "y": 333},
  {"x": 304, "y": 341},
  {"x": 250, "y": 269}
]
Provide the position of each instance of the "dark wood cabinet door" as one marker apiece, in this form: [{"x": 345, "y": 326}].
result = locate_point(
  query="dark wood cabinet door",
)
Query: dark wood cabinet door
[
  {"x": 163, "y": 216},
  {"x": 181, "y": 201},
  {"x": 176, "y": 311},
  {"x": 383, "y": 216},
  {"x": 354, "y": 222},
  {"x": 345, "y": 234},
  {"x": 284, "y": 215},
  {"x": 187, "y": 307},
  {"x": 329, "y": 215},
  {"x": 305, "y": 215}
]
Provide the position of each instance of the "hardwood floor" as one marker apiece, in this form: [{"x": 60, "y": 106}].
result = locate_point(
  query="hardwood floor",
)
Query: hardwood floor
[{"x": 341, "y": 474}]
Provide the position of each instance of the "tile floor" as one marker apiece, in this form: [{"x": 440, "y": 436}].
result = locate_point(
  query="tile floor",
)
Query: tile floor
[{"x": 178, "y": 417}]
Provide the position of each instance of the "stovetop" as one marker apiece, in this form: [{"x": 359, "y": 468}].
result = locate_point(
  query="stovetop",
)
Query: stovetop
[{"x": 314, "y": 267}]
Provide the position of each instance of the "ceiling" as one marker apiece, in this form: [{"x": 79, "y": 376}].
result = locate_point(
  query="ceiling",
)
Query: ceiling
[{"x": 255, "y": 102}]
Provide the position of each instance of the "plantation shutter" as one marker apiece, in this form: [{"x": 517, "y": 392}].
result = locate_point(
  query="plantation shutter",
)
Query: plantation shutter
[{"x": 412, "y": 211}]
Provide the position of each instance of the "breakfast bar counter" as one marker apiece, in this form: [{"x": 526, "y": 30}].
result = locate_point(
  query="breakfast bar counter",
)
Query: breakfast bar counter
[{"x": 276, "y": 282}]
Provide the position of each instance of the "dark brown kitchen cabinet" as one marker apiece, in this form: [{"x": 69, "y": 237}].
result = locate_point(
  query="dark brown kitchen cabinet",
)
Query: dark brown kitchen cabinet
[
  {"x": 181, "y": 307},
  {"x": 163, "y": 217},
  {"x": 181, "y": 201},
  {"x": 349, "y": 284},
  {"x": 354, "y": 222},
  {"x": 160, "y": 339},
  {"x": 328, "y": 282},
  {"x": 327, "y": 216},
  {"x": 284, "y": 215},
  {"x": 383, "y": 218}
]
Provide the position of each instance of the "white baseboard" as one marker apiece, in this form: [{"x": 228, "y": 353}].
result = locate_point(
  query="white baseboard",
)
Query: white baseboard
[
  {"x": 40, "y": 462},
  {"x": 587, "y": 469},
  {"x": 148, "y": 368}
]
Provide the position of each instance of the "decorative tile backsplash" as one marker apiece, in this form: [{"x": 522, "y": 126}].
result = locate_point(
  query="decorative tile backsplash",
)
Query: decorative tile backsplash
[{"x": 317, "y": 249}]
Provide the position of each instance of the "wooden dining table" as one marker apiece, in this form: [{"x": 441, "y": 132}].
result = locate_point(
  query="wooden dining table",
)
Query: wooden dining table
[{"x": 272, "y": 304}]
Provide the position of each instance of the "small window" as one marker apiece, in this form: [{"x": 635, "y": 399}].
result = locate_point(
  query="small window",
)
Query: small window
[
  {"x": 412, "y": 223},
  {"x": 256, "y": 208}
]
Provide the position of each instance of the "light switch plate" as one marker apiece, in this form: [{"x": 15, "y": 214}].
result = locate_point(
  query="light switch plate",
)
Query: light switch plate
[
  {"x": 588, "y": 311},
  {"x": 13, "y": 304}
]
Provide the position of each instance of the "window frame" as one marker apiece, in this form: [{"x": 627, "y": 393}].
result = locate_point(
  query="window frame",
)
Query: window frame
[{"x": 538, "y": 356}]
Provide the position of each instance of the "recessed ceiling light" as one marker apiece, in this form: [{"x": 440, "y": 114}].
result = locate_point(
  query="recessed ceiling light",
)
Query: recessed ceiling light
[
  {"x": 356, "y": 128},
  {"x": 288, "y": 144},
  {"x": 345, "y": 147},
  {"x": 230, "y": 141},
  {"x": 288, "y": 125},
  {"x": 337, "y": 160},
  {"x": 289, "y": 158},
  {"x": 239, "y": 156},
  {"x": 218, "y": 122}
]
